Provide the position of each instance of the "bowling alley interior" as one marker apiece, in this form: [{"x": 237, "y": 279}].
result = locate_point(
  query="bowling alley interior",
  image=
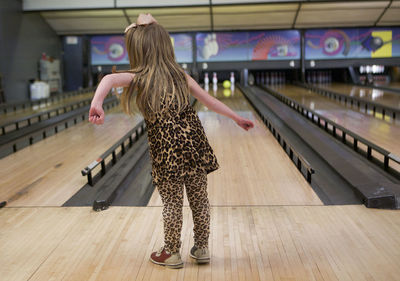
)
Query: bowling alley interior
[{"x": 311, "y": 192}]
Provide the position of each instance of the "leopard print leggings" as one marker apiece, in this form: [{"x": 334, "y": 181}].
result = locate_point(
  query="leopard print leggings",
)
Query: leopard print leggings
[{"x": 171, "y": 193}]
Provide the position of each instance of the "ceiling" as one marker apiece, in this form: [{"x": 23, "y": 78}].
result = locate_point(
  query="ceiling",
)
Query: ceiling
[{"x": 105, "y": 17}]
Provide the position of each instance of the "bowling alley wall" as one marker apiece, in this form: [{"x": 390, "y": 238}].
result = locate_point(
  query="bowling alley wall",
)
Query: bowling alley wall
[
  {"x": 24, "y": 37},
  {"x": 198, "y": 52},
  {"x": 319, "y": 44}
]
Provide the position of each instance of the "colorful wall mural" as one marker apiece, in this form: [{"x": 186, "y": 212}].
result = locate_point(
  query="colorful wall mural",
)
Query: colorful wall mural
[
  {"x": 320, "y": 44},
  {"x": 248, "y": 46},
  {"x": 110, "y": 50},
  {"x": 352, "y": 43}
]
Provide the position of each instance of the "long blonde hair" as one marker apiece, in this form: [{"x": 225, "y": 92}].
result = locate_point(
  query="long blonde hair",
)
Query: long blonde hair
[{"x": 158, "y": 78}]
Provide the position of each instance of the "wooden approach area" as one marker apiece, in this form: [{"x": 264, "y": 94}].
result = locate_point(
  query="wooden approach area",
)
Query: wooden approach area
[{"x": 266, "y": 221}]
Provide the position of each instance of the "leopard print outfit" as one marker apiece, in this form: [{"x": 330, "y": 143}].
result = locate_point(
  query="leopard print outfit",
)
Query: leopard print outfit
[
  {"x": 181, "y": 155},
  {"x": 171, "y": 192},
  {"x": 178, "y": 144}
]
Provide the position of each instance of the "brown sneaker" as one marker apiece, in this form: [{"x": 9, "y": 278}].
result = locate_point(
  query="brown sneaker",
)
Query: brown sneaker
[
  {"x": 200, "y": 255},
  {"x": 163, "y": 257}
]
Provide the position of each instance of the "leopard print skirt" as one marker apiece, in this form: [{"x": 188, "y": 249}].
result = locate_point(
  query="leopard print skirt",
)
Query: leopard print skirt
[{"x": 178, "y": 145}]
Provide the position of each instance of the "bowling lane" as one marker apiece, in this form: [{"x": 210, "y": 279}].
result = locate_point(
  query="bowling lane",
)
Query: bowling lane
[
  {"x": 48, "y": 172},
  {"x": 366, "y": 93},
  {"x": 383, "y": 133},
  {"x": 254, "y": 169},
  {"x": 392, "y": 85},
  {"x": 11, "y": 116}
]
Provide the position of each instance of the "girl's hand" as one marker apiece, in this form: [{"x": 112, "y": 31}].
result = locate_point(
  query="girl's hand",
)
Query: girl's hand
[
  {"x": 245, "y": 123},
  {"x": 96, "y": 113}
]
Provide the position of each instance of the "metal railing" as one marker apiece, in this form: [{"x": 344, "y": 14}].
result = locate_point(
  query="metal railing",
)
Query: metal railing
[
  {"x": 132, "y": 136},
  {"x": 27, "y": 121},
  {"x": 338, "y": 131},
  {"x": 20, "y": 139}
]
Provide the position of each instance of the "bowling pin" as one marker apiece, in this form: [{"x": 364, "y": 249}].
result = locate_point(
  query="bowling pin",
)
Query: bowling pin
[
  {"x": 215, "y": 88},
  {"x": 215, "y": 79},
  {"x": 206, "y": 79},
  {"x": 206, "y": 87},
  {"x": 232, "y": 79}
]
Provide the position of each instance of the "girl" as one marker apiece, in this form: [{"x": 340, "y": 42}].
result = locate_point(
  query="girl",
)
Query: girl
[{"x": 179, "y": 149}]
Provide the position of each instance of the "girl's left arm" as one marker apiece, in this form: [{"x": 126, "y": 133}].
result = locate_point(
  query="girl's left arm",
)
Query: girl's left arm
[
  {"x": 96, "y": 113},
  {"x": 217, "y": 106}
]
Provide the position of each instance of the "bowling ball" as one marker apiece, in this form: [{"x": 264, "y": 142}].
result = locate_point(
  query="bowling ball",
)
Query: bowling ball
[
  {"x": 226, "y": 84},
  {"x": 331, "y": 45},
  {"x": 227, "y": 93}
]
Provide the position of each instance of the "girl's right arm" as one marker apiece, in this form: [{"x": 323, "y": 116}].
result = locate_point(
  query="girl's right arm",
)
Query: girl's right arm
[
  {"x": 215, "y": 105},
  {"x": 96, "y": 113}
]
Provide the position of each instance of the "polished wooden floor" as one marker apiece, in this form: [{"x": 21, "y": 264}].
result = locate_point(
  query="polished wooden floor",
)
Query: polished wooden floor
[
  {"x": 395, "y": 85},
  {"x": 384, "y": 133},
  {"x": 375, "y": 95},
  {"x": 15, "y": 115},
  {"x": 246, "y": 243},
  {"x": 47, "y": 173},
  {"x": 282, "y": 232},
  {"x": 391, "y": 85}
]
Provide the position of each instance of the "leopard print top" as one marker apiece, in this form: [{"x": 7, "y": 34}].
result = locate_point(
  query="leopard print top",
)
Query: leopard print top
[{"x": 178, "y": 144}]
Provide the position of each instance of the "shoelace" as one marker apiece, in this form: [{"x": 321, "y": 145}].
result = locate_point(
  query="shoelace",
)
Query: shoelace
[{"x": 160, "y": 251}]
